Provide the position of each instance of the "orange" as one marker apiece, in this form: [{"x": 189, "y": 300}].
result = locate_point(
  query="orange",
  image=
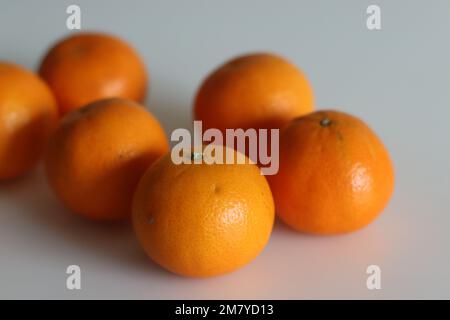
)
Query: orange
[
  {"x": 28, "y": 114},
  {"x": 261, "y": 91},
  {"x": 90, "y": 66},
  {"x": 335, "y": 175},
  {"x": 202, "y": 220},
  {"x": 98, "y": 154}
]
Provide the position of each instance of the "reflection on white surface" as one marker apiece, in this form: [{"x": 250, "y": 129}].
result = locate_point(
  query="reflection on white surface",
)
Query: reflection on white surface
[{"x": 41, "y": 238}]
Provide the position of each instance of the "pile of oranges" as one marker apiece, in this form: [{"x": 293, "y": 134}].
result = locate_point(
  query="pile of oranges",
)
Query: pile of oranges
[{"x": 107, "y": 158}]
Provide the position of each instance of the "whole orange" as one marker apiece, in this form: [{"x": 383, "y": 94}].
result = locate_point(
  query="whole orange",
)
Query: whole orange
[
  {"x": 90, "y": 66},
  {"x": 98, "y": 154},
  {"x": 28, "y": 114},
  {"x": 202, "y": 219},
  {"x": 335, "y": 175},
  {"x": 259, "y": 90}
]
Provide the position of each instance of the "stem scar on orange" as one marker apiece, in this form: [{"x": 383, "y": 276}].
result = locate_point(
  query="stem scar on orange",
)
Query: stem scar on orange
[
  {"x": 335, "y": 175},
  {"x": 203, "y": 219},
  {"x": 98, "y": 154}
]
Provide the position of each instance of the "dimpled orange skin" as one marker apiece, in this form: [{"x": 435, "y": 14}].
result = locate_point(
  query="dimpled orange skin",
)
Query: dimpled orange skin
[
  {"x": 259, "y": 90},
  {"x": 98, "y": 154},
  {"x": 90, "y": 66},
  {"x": 202, "y": 220},
  {"x": 335, "y": 175},
  {"x": 28, "y": 114}
]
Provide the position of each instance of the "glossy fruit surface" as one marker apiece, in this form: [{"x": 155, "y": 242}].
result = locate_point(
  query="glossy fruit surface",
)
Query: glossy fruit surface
[
  {"x": 335, "y": 174},
  {"x": 202, "y": 220}
]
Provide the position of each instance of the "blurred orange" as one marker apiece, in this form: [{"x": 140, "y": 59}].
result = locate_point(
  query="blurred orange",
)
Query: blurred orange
[
  {"x": 98, "y": 154},
  {"x": 258, "y": 91},
  {"x": 28, "y": 114},
  {"x": 89, "y": 66}
]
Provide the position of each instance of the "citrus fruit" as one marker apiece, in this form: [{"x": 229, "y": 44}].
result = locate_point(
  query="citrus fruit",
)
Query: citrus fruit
[
  {"x": 202, "y": 220},
  {"x": 260, "y": 91},
  {"x": 28, "y": 114},
  {"x": 90, "y": 66},
  {"x": 334, "y": 176},
  {"x": 98, "y": 154}
]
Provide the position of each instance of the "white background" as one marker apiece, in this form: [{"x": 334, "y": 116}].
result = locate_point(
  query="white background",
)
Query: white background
[{"x": 396, "y": 79}]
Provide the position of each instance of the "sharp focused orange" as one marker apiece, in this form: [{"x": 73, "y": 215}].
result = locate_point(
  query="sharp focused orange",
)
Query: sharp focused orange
[
  {"x": 202, "y": 220},
  {"x": 260, "y": 91},
  {"x": 335, "y": 175},
  {"x": 28, "y": 114},
  {"x": 90, "y": 66},
  {"x": 98, "y": 154}
]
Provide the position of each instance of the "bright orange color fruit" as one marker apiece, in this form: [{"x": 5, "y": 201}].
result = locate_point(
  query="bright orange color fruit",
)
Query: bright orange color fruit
[
  {"x": 259, "y": 90},
  {"x": 335, "y": 174},
  {"x": 90, "y": 66},
  {"x": 28, "y": 114},
  {"x": 202, "y": 220},
  {"x": 98, "y": 154}
]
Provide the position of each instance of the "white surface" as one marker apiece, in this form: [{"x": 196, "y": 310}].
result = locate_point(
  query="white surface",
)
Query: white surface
[{"x": 397, "y": 79}]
